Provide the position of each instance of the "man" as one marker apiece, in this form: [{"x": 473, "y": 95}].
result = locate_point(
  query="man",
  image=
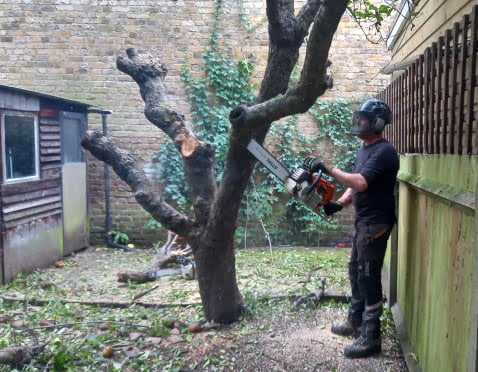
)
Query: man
[{"x": 370, "y": 187}]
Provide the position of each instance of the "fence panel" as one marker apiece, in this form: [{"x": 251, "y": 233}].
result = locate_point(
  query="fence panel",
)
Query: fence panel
[{"x": 434, "y": 102}]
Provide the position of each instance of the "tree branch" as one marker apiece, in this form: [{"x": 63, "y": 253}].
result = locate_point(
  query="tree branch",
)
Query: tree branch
[
  {"x": 282, "y": 23},
  {"x": 126, "y": 168},
  {"x": 149, "y": 73},
  {"x": 314, "y": 80},
  {"x": 307, "y": 13},
  {"x": 254, "y": 121},
  {"x": 286, "y": 35}
]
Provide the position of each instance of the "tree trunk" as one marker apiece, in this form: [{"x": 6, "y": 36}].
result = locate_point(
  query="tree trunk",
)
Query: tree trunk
[
  {"x": 211, "y": 230},
  {"x": 216, "y": 266}
]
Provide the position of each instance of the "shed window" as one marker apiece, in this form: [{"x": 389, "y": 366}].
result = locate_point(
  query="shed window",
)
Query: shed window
[{"x": 20, "y": 146}]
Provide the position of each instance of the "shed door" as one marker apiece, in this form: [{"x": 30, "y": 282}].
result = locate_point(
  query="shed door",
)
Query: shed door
[{"x": 75, "y": 231}]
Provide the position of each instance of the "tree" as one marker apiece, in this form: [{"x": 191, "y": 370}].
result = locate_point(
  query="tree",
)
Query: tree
[{"x": 211, "y": 231}]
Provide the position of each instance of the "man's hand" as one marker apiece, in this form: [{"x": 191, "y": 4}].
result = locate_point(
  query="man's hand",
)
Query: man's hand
[
  {"x": 312, "y": 164},
  {"x": 332, "y": 207}
]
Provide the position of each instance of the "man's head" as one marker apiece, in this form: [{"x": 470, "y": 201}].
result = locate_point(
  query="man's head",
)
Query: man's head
[{"x": 370, "y": 119}]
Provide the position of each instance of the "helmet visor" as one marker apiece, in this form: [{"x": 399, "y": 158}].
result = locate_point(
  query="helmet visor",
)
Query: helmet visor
[{"x": 361, "y": 124}]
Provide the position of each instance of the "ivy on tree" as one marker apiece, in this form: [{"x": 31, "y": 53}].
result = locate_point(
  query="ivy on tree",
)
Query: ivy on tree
[{"x": 224, "y": 85}]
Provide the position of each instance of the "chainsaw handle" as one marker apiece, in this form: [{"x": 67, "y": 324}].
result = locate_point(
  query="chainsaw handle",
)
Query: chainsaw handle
[{"x": 316, "y": 181}]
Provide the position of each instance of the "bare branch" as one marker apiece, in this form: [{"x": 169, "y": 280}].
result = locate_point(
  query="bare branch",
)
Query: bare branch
[
  {"x": 282, "y": 23},
  {"x": 284, "y": 44},
  {"x": 307, "y": 13},
  {"x": 314, "y": 80},
  {"x": 149, "y": 73},
  {"x": 286, "y": 35},
  {"x": 126, "y": 168}
]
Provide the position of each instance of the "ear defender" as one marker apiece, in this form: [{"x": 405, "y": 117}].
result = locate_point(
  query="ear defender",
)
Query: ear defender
[{"x": 378, "y": 125}]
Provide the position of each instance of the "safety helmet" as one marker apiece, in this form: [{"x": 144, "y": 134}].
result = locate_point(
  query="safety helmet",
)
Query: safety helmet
[{"x": 371, "y": 118}]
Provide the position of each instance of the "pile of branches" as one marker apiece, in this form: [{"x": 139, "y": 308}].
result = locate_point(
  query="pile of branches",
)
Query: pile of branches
[{"x": 174, "y": 251}]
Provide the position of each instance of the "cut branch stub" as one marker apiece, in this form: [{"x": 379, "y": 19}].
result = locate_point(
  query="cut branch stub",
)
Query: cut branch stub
[{"x": 189, "y": 146}]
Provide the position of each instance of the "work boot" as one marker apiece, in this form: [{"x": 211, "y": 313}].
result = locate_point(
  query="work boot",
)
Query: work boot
[
  {"x": 363, "y": 347},
  {"x": 346, "y": 329},
  {"x": 353, "y": 324},
  {"x": 369, "y": 342}
]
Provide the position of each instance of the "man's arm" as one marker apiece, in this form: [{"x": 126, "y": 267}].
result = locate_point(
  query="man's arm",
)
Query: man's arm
[
  {"x": 346, "y": 197},
  {"x": 352, "y": 180}
]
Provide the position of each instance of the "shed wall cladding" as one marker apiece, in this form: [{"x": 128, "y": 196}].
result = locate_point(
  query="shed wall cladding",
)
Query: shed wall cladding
[
  {"x": 32, "y": 208},
  {"x": 27, "y": 201}
]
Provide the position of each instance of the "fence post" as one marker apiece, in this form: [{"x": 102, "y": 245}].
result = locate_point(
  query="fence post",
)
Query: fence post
[
  {"x": 393, "y": 268},
  {"x": 473, "y": 349}
]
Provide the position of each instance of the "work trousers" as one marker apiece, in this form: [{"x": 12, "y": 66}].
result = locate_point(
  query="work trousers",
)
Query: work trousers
[{"x": 365, "y": 266}]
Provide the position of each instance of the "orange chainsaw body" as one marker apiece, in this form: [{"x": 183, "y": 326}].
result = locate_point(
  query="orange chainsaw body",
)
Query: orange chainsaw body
[{"x": 325, "y": 188}]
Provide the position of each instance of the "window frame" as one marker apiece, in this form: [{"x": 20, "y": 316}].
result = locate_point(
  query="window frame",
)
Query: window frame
[
  {"x": 33, "y": 115},
  {"x": 401, "y": 21}
]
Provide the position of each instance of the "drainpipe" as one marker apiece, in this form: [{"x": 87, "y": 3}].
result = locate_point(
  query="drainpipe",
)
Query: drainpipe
[
  {"x": 2, "y": 236},
  {"x": 106, "y": 173}
]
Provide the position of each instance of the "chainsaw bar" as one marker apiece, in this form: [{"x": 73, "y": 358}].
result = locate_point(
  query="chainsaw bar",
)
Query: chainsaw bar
[{"x": 268, "y": 160}]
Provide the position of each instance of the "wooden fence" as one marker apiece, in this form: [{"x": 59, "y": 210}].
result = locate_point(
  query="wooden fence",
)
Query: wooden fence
[{"x": 434, "y": 101}]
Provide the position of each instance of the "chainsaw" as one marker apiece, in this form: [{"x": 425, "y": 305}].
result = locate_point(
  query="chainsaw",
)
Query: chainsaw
[{"x": 311, "y": 189}]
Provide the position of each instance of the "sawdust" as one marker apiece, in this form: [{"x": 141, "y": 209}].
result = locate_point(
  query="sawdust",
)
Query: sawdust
[{"x": 303, "y": 345}]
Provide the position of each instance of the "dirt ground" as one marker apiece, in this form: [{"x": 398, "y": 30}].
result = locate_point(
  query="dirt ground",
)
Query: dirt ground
[
  {"x": 273, "y": 337},
  {"x": 299, "y": 343}
]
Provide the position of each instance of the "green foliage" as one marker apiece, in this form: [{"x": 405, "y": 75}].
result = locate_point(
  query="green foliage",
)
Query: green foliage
[
  {"x": 366, "y": 10},
  {"x": 119, "y": 237}
]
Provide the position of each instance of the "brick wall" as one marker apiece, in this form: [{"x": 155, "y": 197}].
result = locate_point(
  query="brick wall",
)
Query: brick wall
[{"x": 68, "y": 48}]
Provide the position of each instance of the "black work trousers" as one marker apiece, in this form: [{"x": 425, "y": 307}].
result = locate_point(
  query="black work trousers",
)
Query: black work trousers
[{"x": 365, "y": 267}]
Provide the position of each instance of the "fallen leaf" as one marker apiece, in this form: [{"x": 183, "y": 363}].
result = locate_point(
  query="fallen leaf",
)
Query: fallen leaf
[
  {"x": 45, "y": 322},
  {"x": 175, "y": 339},
  {"x": 131, "y": 351},
  {"x": 79, "y": 313},
  {"x": 135, "y": 335},
  {"x": 46, "y": 284},
  {"x": 104, "y": 326},
  {"x": 175, "y": 331},
  {"x": 18, "y": 324},
  {"x": 154, "y": 340}
]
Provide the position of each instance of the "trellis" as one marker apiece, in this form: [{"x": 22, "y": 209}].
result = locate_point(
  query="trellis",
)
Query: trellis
[{"x": 434, "y": 100}]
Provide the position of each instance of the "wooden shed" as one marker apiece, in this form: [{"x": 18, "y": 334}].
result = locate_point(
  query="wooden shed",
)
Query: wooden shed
[{"x": 43, "y": 201}]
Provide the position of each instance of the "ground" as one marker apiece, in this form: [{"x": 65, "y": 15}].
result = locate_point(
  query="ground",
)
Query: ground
[{"x": 271, "y": 336}]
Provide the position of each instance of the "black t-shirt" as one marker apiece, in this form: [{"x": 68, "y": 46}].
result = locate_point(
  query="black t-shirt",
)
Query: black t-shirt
[{"x": 378, "y": 163}]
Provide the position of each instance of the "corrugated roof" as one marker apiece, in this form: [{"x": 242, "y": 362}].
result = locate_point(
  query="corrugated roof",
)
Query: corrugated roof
[{"x": 43, "y": 95}]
